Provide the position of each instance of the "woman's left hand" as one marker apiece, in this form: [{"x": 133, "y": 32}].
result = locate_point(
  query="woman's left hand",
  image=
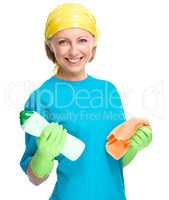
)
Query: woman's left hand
[{"x": 142, "y": 138}]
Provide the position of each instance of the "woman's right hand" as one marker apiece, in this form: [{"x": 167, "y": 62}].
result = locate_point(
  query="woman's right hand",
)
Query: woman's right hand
[
  {"x": 49, "y": 145},
  {"x": 51, "y": 141}
]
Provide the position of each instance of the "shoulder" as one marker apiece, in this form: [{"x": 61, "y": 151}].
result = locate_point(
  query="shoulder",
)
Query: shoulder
[
  {"x": 44, "y": 88},
  {"x": 45, "y": 85},
  {"x": 110, "y": 85}
]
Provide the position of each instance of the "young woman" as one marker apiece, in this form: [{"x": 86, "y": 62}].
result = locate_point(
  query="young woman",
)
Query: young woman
[{"x": 86, "y": 107}]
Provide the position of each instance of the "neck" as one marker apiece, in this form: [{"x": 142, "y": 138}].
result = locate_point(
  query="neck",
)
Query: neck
[{"x": 71, "y": 76}]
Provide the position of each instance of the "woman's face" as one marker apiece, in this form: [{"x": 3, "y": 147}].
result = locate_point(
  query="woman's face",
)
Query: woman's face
[{"x": 73, "y": 48}]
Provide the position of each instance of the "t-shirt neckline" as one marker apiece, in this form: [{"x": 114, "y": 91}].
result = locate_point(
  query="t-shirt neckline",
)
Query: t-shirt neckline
[{"x": 72, "y": 82}]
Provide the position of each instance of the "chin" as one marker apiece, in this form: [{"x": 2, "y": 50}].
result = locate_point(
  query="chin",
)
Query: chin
[
  {"x": 75, "y": 72},
  {"x": 75, "y": 69}
]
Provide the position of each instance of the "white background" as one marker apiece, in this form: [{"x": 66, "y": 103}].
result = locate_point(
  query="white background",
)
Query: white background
[{"x": 133, "y": 53}]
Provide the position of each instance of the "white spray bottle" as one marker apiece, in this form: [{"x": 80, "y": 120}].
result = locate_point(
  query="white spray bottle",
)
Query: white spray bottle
[{"x": 33, "y": 123}]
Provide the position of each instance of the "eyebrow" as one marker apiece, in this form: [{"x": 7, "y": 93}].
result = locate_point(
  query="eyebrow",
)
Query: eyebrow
[{"x": 84, "y": 36}]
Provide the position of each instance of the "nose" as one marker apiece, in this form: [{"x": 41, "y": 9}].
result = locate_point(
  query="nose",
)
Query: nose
[{"x": 74, "y": 51}]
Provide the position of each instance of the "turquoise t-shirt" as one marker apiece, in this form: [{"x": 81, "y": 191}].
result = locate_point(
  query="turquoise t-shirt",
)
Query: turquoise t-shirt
[{"x": 89, "y": 109}]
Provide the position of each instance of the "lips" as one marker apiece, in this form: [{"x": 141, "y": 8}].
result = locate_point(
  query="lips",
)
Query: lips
[{"x": 74, "y": 61}]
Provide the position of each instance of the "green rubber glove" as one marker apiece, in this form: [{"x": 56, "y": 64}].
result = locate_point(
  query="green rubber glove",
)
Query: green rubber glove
[
  {"x": 49, "y": 145},
  {"x": 139, "y": 141}
]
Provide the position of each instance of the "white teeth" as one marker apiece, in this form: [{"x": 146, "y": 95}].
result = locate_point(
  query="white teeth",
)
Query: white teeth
[{"x": 74, "y": 60}]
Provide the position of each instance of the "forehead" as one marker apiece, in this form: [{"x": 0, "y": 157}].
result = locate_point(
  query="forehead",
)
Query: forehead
[{"x": 72, "y": 33}]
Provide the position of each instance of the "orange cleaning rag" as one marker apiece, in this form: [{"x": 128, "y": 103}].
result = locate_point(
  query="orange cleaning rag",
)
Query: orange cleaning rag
[{"x": 118, "y": 140}]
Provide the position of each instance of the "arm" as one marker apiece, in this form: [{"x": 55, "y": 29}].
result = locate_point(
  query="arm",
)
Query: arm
[
  {"x": 38, "y": 159},
  {"x": 32, "y": 104},
  {"x": 34, "y": 179},
  {"x": 129, "y": 156},
  {"x": 140, "y": 140},
  {"x": 49, "y": 146}
]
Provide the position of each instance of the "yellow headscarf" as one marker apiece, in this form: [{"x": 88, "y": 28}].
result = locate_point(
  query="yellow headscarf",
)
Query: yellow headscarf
[{"x": 70, "y": 15}]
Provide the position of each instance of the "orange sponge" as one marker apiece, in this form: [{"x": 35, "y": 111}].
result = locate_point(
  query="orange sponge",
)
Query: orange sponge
[{"x": 118, "y": 140}]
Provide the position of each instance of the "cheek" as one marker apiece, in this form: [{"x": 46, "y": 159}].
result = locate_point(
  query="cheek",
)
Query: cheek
[
  {"x": 59, "y": 53},
  {"x": 87, "y": 50}
]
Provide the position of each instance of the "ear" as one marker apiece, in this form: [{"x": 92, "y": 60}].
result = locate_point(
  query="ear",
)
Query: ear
[
  {"x": 48, "y": 43},
  {"x": 93, "y": 53}
]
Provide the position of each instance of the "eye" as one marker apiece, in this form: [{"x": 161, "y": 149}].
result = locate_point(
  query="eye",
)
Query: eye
[
  {"x": 83, "y": 40},
  {"x": 62, "y": 42}
]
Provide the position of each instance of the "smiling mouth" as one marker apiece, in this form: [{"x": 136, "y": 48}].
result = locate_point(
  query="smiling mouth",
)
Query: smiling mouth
[{"x": 74, "y": 61}]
